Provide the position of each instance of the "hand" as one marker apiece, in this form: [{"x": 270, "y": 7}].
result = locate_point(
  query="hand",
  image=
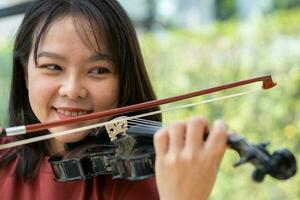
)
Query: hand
[{"x": 186, "y": 165}]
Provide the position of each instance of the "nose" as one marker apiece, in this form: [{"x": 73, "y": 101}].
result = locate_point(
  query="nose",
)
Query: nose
[{"x": 72, "y": 88}]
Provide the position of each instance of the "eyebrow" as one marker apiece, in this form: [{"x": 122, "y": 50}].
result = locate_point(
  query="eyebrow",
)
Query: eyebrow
[{"x": 95, "y": 57}]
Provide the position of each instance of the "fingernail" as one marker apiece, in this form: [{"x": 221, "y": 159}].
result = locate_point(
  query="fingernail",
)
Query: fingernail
[{"x": 219, "y": 124}]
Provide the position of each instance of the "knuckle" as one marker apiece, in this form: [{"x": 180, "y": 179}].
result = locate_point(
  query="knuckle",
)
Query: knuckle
[
  {"x": 191, "y": 156},
  {"x": 173, "y": 160}
]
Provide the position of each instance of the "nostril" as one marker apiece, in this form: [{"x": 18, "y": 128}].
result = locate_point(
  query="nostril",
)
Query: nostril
[
  {"x": 83, "y": 93},
  {"x": 72, "y": 92}
]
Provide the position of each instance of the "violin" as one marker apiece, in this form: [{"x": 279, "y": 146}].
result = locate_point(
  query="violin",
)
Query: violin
[
  {"x": 128, "y": 150},
  {"x": 130, "y": 155}
]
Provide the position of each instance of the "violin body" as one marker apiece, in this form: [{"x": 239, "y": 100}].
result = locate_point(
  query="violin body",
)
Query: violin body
[
  {"x": 129, "y": 157},
  {"x": 91, "y": 161}
]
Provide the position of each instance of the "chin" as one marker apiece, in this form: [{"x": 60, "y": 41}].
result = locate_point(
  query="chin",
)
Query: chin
[{"x": 73, "y": 137}]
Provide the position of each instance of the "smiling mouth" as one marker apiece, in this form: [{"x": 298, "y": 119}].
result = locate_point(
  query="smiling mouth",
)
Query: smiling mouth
[{"x": 64, "y": 113}]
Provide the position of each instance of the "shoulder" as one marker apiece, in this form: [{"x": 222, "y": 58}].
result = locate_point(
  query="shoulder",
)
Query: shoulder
[{"x": 4, "y": 140}]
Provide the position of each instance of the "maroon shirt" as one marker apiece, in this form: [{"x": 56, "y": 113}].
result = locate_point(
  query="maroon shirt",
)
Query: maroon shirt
[{"x": 44, "y": 187}]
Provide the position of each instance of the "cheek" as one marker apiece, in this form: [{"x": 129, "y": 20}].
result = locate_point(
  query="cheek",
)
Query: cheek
[
  {"x": 36, "y": 94},
  {"x": 40, "y": 93},
  {"x": 37, "y": 99},
  {"x": 107, "y": 96}
]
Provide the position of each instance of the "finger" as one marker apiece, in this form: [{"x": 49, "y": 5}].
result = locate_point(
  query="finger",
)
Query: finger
[
  {"x": 196, "y": 128},
  {"x": 161, "y": 142},
  {"x": 229, "y": 133},
  {"x": 176, "y": 137},
  {"x": 217, "y": 139}
]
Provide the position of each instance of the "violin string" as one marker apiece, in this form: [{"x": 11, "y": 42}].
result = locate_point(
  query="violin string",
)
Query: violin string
[
  {"x": 146, "y": 121},
  {"x": 149, "y": 122},
  {"x": 144, "y": 125},
  {"x": 52, "y": 135},
  {"x": 145, "y": 128}
]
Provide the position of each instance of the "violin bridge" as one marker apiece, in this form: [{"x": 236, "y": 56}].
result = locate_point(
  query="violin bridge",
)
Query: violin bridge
[{"x": 116, "y": 128}]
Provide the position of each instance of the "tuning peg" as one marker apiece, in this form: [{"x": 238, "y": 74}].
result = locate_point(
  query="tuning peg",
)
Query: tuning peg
[
  {"x": 264, "y": 144},
  {"x": 242, "y": 161},
  {"x": 258, "y": 175}
]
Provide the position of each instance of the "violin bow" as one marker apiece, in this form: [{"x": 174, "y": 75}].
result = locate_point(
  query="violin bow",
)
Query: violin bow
[
  {"x": 267, "y": 83},
  {"x": 117, "y": 121}
]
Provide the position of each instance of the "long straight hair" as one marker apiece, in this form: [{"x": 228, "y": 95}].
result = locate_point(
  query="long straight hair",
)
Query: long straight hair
[{"x": 106, "y": 19}]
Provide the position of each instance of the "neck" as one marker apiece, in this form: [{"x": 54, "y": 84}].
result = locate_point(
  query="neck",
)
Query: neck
[{"x": 55, "y": 146}]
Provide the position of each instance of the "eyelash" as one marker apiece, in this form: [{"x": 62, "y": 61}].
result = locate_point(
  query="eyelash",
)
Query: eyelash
[
  {"x": 100, "y": 70},
  {"x": 54, "y": 67}
]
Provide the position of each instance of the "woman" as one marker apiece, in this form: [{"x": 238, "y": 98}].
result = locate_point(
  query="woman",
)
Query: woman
[{"x": 74, "y": 57}]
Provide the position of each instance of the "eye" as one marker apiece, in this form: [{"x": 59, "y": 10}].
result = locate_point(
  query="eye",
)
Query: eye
[
  {"x": 99, "y": 70},
  {"x": 51, "y": 67}
]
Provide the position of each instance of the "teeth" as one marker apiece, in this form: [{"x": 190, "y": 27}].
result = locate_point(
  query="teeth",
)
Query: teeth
[{"x": 72, "y": 114}]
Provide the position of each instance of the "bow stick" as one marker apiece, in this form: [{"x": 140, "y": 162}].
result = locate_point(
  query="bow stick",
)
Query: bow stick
[{"x": 117, "y": 120}]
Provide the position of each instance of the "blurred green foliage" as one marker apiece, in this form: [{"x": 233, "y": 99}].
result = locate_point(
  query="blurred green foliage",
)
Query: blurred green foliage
[
  {"x": 5, "y": 73},
  {"x": 227, "y": 9},
  {"x": 287, "y": 4},
  {"x": 180, "y": 61}
]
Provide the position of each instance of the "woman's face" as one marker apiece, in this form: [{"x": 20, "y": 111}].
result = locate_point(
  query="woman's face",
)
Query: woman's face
[{"x": 69, "y": 80}]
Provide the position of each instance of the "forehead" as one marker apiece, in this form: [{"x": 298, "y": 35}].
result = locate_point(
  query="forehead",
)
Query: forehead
[{"x": 73, "y": 34}]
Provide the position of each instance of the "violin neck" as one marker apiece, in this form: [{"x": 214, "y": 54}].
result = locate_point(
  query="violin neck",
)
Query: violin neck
[{"x": 142, "y": 130}]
